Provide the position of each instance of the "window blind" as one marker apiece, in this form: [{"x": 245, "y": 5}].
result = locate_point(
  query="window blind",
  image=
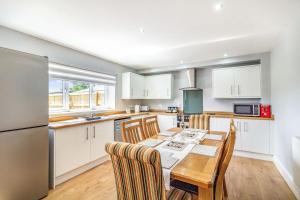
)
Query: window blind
[{"x": 60, "y": 71}]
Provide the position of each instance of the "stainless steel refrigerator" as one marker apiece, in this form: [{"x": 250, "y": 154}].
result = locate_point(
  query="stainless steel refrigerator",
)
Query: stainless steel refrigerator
[{"x": 24, "y": 146}]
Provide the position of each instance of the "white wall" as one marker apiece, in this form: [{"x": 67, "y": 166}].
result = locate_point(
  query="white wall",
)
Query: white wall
[
  {"x": 63, "y": 55},
  {"x": 204, "y": 81},
  {"x": 285, "y": 95}
]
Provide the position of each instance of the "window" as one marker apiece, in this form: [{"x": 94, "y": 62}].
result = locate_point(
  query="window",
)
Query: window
[
  {"x": 73, "y": 89},
  {"x": 79, "y": 95},
  {"x": 56, "y": 94}
]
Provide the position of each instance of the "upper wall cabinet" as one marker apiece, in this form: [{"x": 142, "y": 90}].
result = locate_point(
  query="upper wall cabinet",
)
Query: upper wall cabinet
[
  {"x": 133, "y": 86},
  {"x": 237, "y": 82},
  {"x": 159, "y": 86},
  {"x": 136, "y": 86}
]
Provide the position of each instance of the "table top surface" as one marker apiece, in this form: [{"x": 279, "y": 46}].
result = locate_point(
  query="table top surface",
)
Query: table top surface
[{"x": 198, "y": 169}]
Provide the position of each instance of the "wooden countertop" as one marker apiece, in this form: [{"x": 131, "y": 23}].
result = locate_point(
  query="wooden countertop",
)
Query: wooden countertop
[
  {"x": 233, "y": 116},
  {"x": 69, "y": 121}
]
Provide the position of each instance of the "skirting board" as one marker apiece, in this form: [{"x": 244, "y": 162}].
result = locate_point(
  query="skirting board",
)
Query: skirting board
[
  {"x": 80, "y": 170},
  {"x": 253, "y": 155},
  {"x": 287, "y": 177}
]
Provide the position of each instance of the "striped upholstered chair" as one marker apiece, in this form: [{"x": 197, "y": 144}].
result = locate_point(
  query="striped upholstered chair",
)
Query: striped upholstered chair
[
  {"x": 138, "y": 173},
  {"x": 199, "y": 121}
]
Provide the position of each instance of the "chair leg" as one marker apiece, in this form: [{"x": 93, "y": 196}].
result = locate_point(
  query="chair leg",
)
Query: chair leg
[{"x": 225, "y": 189}]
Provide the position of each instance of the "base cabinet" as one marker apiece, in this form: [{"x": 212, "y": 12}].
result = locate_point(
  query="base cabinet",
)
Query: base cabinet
[
  {"x": 72, "y": 148},
  {"x": 251, "y": 135},
  {"x": 102, "y": 133},
  {"x": 80, "y": 145},
  {"x": 166, "y": 122}
]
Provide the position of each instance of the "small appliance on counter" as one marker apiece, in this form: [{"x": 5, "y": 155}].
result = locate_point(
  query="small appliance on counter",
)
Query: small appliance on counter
[
  {"x": 265, "y": 111},
  {"x": 129, "y": 109},
  {"x": 145, "y": 108},
  {"x": 247, "y": 109},
  {"x": 172, "y": 109},
  {"x": 137, "y": 108}
]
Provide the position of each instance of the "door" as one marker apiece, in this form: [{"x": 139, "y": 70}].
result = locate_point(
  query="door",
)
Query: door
[
  {"x": 24, "y": 90},
  {"x": 223, "y": 83},
  {"x": 152, "y": 87},
  {"x": 101, "y": 133},
  {"x": 163, "y": 83},
  {"x": 247, "y": 82},
  {"x": 256, "y": 136},
  {"x": 220, "y": 124},
  {"x": 137, "y": 84},
  {"x": 72, "y": 148},
  {"x": 238, "y": 140},
  {"x": 24, "y": 163},
  {"x": 166, "y": 122}
]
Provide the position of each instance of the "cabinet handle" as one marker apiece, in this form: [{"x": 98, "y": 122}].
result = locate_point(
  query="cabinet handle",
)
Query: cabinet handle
[
  {"x": 147, "y": 92},
  {"x": 94, "y": 132},
  {"x": 231, "y": 91},
  {"x": 167, "y": 91},
  {"x": 245, "y": 127},
  {"x": 87, "y": 133},
  {"x": 238, "y": 89},
  {"x": 131, "y": 92}
]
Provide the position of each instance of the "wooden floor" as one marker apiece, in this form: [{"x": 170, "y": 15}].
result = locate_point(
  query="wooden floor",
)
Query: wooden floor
[{"x": 247, "y": 179}]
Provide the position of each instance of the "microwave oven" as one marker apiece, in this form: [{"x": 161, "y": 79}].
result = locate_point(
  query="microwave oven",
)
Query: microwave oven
[{"x": 247, "y": 109}]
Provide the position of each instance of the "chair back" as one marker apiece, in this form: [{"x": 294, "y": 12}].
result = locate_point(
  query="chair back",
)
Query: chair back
[
  {"x": 138, "y": 171},
  {"x": 133, "y": 131},
  {"x": 224, "y": 162},
  {"x": 151, "y": 126},
  {"x": 199, "y": 121}
]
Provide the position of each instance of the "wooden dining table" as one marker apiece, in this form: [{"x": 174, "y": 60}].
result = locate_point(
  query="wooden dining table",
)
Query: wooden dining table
[{"x": 199, "y": 170}]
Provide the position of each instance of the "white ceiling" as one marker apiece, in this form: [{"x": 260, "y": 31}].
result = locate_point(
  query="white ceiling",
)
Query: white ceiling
[{"x": 174, "y": 30}]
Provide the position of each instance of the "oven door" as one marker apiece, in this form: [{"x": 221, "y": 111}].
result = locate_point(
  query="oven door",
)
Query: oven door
[{"x": 244, "y": 109}]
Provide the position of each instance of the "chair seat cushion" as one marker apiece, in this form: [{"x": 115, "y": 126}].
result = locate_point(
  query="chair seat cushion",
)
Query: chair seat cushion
[{"x": 176, "y": 194}]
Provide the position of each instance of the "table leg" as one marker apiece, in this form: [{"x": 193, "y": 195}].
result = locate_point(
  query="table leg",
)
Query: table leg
[{"x": 206, "y": 193}]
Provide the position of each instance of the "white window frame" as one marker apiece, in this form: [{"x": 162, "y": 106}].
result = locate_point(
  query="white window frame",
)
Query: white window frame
[{"x": 92, "y": 105}]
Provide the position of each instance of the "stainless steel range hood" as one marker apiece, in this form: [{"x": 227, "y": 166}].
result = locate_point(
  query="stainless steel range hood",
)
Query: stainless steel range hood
[{"x": 190, "y": 76}]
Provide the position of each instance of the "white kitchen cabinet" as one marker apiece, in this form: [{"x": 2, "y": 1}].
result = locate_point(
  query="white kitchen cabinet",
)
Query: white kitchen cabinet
[
  {"x": 255, "y": 136},
  {"x": 72, "y": 148},
  {"x": 220, "y": 124},
  {"x": 247, "y": 82},
  {"x": 136, "y": 86},
  {"x": 251, "y": 135},
  {"x": 101, "y": 133},
  {"x": 223, "y": 82},
  {"x": 166, "y": 122},
  {"x": 133, "y": 86},
  {"x": 77, "y": 146},
  {"x": 237, "y": 82}
]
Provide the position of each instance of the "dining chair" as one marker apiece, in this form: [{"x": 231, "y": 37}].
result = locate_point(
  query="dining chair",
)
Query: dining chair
[
  {"x": 138, "y": 173},
  {"x": 220, "y": 184},
  {"x": 199, "y": 121},
  {"x": 151, "y": 126},
  {"x": 133, "y": 131}
]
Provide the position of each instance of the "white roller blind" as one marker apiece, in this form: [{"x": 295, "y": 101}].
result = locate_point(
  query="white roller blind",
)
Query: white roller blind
[{"x": 72, "y": 73}]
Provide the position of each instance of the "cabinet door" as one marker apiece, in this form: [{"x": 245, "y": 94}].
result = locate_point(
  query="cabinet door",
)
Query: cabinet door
[
  {"x": 101, "y": 133},
  {"x": 151, "y": 87},
  {"x": 238, "y": 139},
  {"x": 256, "y": 136},
  {"x": 223, "y": 83},
  {"x": 72, "y": 148},
  {"x": 220, "y": 124},
  {"x": 159, "y": 86},
  {"x": 247, "y": 82},
  {"x": 166, "y": 122},
  {"x": 137, "y": 86},
  {"x": 132, "y": 86}
]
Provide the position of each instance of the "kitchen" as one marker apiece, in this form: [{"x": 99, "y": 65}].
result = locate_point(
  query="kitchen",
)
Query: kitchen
[{"x": 61, "y": 105}]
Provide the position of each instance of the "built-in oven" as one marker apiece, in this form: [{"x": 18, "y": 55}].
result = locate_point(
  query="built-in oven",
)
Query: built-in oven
[{"x": 250, "y": 109}]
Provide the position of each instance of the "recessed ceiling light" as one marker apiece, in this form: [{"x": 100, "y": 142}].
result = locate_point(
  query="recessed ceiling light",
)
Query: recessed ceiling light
[
  {"x": 219, "y": 6},
  {"x": 225, "y": 55},
  {"x": 141, "y": 30},
  {"x": 181, "y": 62}
]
